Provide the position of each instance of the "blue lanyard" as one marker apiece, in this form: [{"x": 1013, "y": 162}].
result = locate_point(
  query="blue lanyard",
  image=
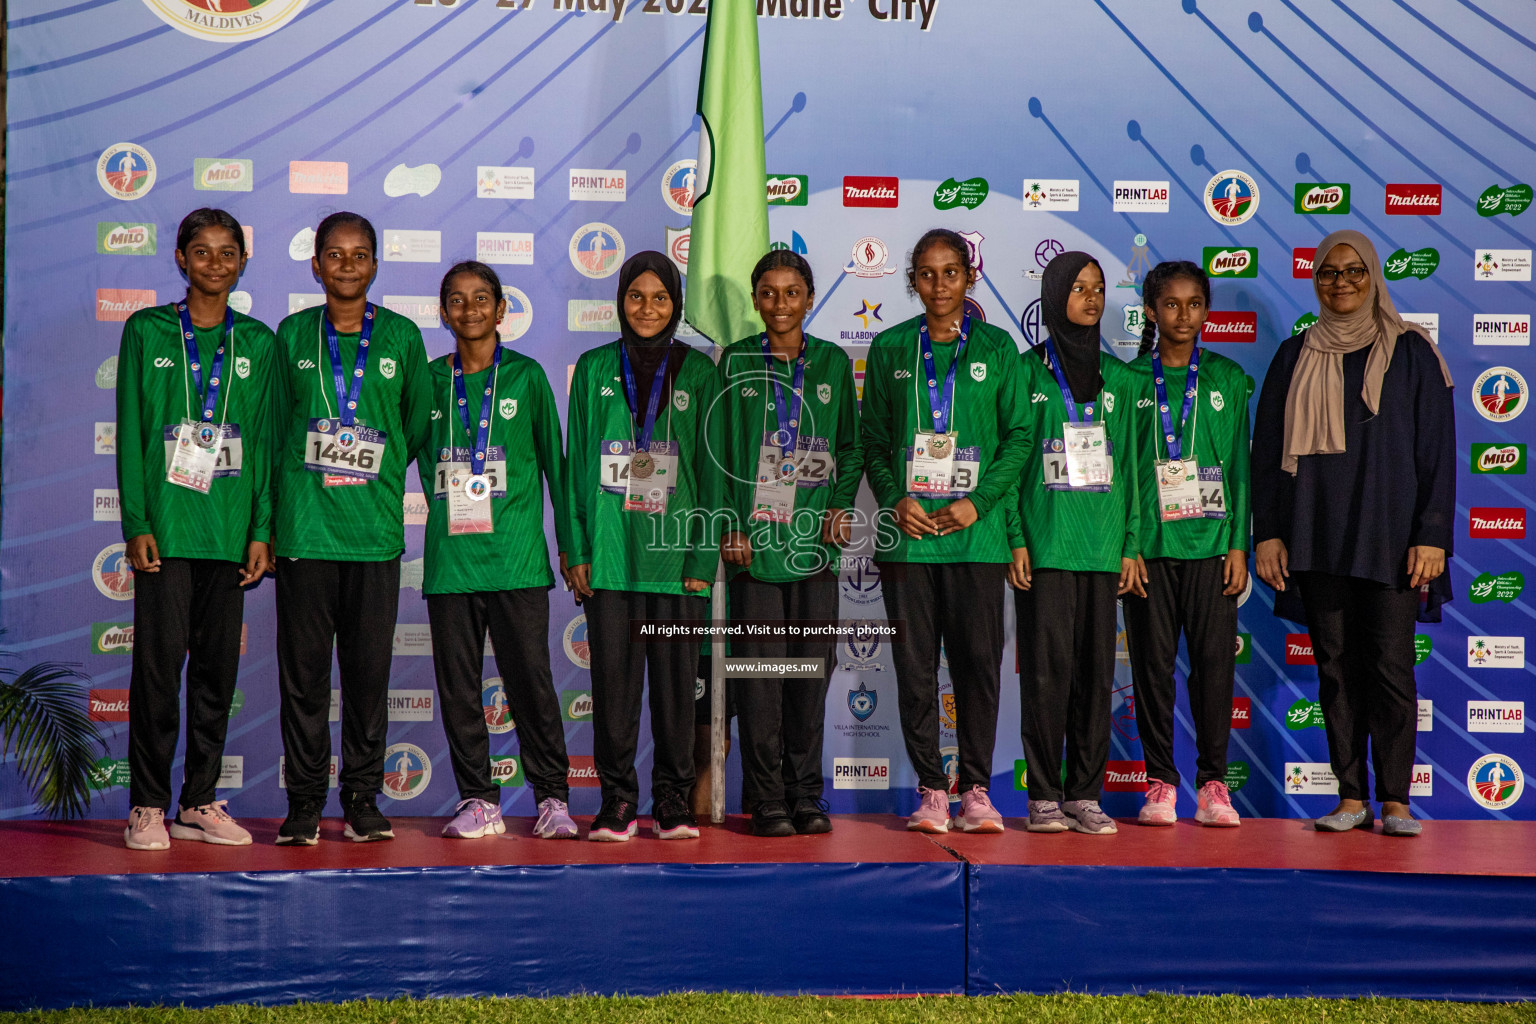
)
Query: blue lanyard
[
  {"x": 788, "y": 435},
  {"x": 346, "y": 400},
  {"x": 644, "y": 444},
  {"x": 483, "y": 432},
  {"x": 215, "y": 371},
  {"x": 1175, "y": 441},
  {"x": 941, "y": 405},
  {"x": 1061, "y": 382}
]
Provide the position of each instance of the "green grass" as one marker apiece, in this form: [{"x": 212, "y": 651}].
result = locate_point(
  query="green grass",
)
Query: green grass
[{"x": 750, "y": 1009}]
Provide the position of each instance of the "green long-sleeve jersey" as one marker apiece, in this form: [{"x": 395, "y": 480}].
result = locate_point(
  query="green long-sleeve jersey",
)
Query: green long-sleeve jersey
[
  {"x": 1080, "y": 530},
  {"x": 358, "y": 518},
  {"x": 1219, "y": 419},
  {"x": 523, "y": 443},
  {"x": 832, "y": 461},
  {"x": 989, "y": 415},
  {"x": 638, "y": 550},
  {"x": 155, "y": 392}
]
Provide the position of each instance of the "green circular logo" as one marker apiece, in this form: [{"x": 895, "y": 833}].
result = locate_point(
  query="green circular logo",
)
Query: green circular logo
[
  {"x": 1422, "y": 645},
  {"x": 1237, "y": 775}
]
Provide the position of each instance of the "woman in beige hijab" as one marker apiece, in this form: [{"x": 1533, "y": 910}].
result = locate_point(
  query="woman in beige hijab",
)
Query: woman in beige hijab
[{"x": 1354, "y": 497}]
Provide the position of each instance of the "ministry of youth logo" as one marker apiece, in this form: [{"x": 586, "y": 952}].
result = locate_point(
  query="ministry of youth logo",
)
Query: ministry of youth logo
[
  {"x": 226, "y": 21},
  {"x": 861, "y": 702}
]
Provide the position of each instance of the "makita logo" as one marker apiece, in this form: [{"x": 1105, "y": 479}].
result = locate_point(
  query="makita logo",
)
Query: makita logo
[
  {"x": 1298, "y": 649},
  {"x": 1422, "y": 200},
  {"x": 1301, "y": 262},
  {"x": 1497, "y": 522},
  {"x": 582, "y": 773},
  {"x": 1242, "y": 708},
  {"x": 1125, "y": 776},
  {"x": 107, "y": 705},
  {"x": 879, "y": 192},
  {"x": 1492, "y": 459},
  {"x": 121, "y": 303},
  {"x": 1231, "y": 326}
]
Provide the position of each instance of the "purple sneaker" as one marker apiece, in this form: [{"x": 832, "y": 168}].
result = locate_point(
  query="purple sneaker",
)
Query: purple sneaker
[
  {"x": 932, "y": 815},
  {"x": 1087, "y": 817},
  {"x": 554, "y": 820},
  {"x": 473, "y": 819}
]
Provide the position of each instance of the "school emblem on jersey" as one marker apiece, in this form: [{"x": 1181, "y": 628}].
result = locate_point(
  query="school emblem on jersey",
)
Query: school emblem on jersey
[
  {"x": 824, "y": 392},
  {"x": 126, "y": 171},
  {"x": 508, "y": 408},
  {"x": 226, "y": 21},
  {"x": 680, "y": 399},
  {"x": 1217, "y": 402},
  {"x": 1109, "y": 401},
  {"x": 979, "y": 371},
  {"x": 387, "y": 368},
  {"x": 242, "y": 367}
]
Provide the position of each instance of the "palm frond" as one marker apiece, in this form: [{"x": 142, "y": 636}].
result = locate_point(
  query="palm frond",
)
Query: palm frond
[{"x": 43, "y": 720}]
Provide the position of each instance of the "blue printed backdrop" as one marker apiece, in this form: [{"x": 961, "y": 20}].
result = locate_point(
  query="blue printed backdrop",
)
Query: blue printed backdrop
[{"x": 1375, "y": 94}]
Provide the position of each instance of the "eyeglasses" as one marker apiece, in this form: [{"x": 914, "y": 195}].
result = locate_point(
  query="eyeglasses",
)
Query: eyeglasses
[{"x": 1328, "y": 275}]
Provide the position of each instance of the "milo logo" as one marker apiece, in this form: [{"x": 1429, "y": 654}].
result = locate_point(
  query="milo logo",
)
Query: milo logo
[
  {"x": 112, "y": 638},
  {"x": 506, "y": 771},
  {"x": 113, "y": 239},
  {"x": 221, "y": 175},
  {"x": 1331, "y": 197},
  {"x": 787, "y": 189},
  {"x": 1232, "y": 262},
  {"x": 1498, "y": 458},
  {"x": 576, "y": 705}
]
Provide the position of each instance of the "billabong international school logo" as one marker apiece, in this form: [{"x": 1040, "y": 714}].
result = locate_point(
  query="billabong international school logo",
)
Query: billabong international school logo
[
  {"x": 596, "y": 250},
  {"x": 1231, "y": 198},
  {"x": 226, "y": 21}
]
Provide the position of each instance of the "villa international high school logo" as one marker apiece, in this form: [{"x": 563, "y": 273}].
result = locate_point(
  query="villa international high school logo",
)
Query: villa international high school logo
[{"x": 226, "y": 21}]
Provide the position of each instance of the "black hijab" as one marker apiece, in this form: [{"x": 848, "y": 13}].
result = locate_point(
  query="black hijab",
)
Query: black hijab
[
  {"x": 1076, "y": 344},
  {"x": 645, "y": 354}
]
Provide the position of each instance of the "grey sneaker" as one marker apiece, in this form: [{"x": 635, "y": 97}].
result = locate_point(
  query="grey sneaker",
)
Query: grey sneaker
[
  {"x": 1089, "y": 818},
  {"x": 1046, "y": 816}
]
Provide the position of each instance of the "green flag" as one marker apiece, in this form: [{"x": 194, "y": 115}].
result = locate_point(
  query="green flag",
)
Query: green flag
[{"x": 730, "y": 210}]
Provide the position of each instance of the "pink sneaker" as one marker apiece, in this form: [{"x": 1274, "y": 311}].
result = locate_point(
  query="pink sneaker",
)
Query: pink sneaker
[
  {"x": 977, "y": 813},
  {"x": 1160, "y": 806},
  {"x": 1216, "y": 810},
  {"x": 209, "y": 823},
  {"x": 932, "y": 815},
  {"x": 146, "y": 829},
  {"x": 474, "y": 818}
]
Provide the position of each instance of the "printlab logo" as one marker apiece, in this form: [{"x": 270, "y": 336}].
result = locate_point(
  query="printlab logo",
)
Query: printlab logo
[
  {"x": 493, "y": 701},
  {"x": 861, "y": 773},
  {"x": 1231, "y": 198},
  {"x": 1501, "y": 329},
  {"x": 862, "y": 702},
  {"x": 1141, "y": 197},
  {"x": 1495, "y": 716},
  {"x": 126, "y": 171},
  {"x": 602, "y": 186},
  {"x": 1495, "y": 781},
  {"x": 407, "y": 771},
  {"x": 226, "y": 21},
  {"x": 1498, "y": 458},
  {"x": 1500, "y": 394}
]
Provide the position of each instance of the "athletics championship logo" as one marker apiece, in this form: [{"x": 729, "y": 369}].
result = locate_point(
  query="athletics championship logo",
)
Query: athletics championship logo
[
  {"x": 226, "y": 21},
  {"x": 1231, "y": 198},
  {"x": 1500, "y": 394}
]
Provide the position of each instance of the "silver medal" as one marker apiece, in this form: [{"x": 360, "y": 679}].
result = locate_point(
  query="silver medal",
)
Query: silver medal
[
  {"x": 641, "y": 465},
  {"x": 941, "y": 446},
  {"x": 478, "y": 487}
]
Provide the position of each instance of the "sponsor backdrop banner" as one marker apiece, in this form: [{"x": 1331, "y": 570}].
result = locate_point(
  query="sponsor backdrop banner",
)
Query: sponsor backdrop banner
[{"x": 553, "y": 137}]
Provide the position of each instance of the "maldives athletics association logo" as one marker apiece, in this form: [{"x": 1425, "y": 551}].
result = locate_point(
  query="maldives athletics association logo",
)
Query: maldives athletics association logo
[
  {"x": 1495, "y": 781},
  {"x": 407, "y": 771},
  {"x": 126, "y": 171},
  {"x": 1231, "y": 198},
  {"x": 596, "y": 250},
  {"x": 1500, "y": 394},
  {"x": 226, "y": 21},
  {"x": 112, "y": 574}
]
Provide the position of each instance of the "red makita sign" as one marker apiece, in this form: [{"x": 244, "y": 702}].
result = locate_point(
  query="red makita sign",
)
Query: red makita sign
[
  {"x": 1125, "y": 776},
  {"x": 861, "y": 191},
  {"x": 1298, "y": 649},
  {"x": 1423, "y": 200},
  {"x": 582, "y": 773},
  {"x": 1301, "y": 262},
  {"x": 1231, "y": 327},
  {"x": 1497, "y": 522},
  {"x": 107, "y": 705},
  {"x": 1241, "y": 707}
]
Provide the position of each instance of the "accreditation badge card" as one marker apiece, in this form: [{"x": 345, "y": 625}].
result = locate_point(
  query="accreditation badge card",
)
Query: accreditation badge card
[
  {"x": 1178, "y": 489},
  {"x": 187, "y": 462},
  {"x": 467, "y": 494},
  {"x": 1054, "y": 467},
  {"x": 938, "y": 468},
  {"x": 1087, "y": 455},
  {"x": 778, "y": 479},
  {"x": 346, "y": 455},
  {"x": 645, "y": 479}
]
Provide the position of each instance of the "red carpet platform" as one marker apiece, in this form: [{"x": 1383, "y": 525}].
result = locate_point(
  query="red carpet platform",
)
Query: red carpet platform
[{"x": 1270, "y": 908}]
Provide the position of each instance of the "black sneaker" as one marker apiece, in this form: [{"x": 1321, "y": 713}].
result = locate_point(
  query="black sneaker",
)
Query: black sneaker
[
  {"x": 771, "y": 818},
  {"x": 302, "y": 826},
  {"x": 364, "y": 822},
  {"x": 671, "y": 818},
  {"x": 810, "y": 816},
  {"x": 615, "y": 823}
]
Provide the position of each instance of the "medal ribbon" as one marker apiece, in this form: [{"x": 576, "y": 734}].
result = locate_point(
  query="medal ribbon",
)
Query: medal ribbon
[
  {"x": 644, "y": 444},
  {"x": 216, "y": 369},
  {"x": 346, "y": 400},
  {"x": 1061, "y": 382},
  {"x": 1175, "y": 441},
  {"x": 483, "y": 432},
  {"x": 941, "y": 405},
  {"x": 789, "y": 423}
]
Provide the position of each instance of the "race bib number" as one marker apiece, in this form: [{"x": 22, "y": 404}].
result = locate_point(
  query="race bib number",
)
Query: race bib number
[
  {"x": 1213, "y": 492},
  {"x": 456, "y": 461},
  {"x": 1056, "y": 471},
  {"x": 346, "y": 455},
  {"x": 937, "y": 468},
  {"x": 1178, "y": 489},
  {"x": 195, "y": 465},
  {"x": 644, "y": 490}
]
